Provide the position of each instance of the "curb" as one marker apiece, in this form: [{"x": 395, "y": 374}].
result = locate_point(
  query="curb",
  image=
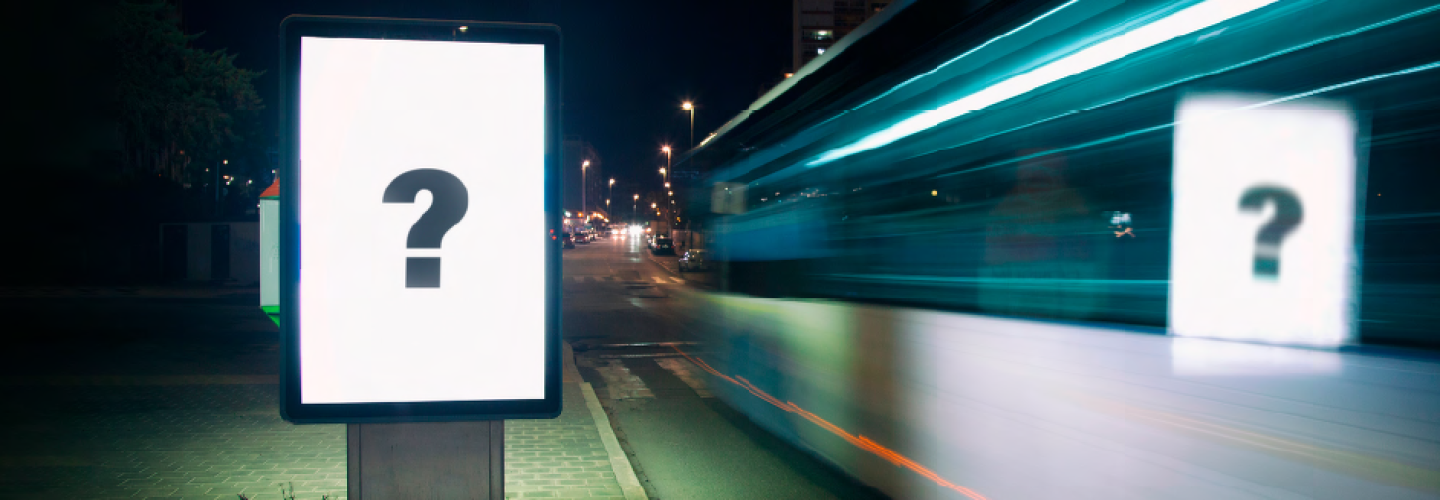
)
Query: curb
[
  {"x": 662, "y": 265},
  {"x": 624, "y": 473}
]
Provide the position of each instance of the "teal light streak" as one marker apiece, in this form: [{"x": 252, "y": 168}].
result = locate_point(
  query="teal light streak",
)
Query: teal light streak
[{"x": 1181, "y": 23}]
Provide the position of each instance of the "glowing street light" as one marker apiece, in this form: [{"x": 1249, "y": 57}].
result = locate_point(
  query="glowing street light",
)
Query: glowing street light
[
  {"x": 583, "y": 166},
  {"x": 666, "y": 149},
  {"x": 610, "y": 194},
  {"x": 690, "y": 106}
]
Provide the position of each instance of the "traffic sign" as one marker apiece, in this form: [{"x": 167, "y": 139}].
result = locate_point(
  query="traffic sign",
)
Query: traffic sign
[
  {"x": 1264, "y": 244},
  {"x": 418, "y": 156}
]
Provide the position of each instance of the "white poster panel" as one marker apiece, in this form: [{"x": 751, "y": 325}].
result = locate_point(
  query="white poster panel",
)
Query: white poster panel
[
  {"x": 1263, "y": 243},
  {"x": 422, "y": 172}
]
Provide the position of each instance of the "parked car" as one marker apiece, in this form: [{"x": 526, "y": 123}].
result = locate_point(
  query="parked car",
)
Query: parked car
[
  {"x": 581, "y": 237},
  {"x": 662, "y": 245},
  {"x": 567, "y": 240},
  {"x": 694, "y": 260}
]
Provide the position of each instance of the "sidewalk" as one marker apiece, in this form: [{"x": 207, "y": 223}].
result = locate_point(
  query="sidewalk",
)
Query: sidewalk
[
  {"x": 573, "y": 456},
  {"x": 186, "y": 291},
  {"x": 214, "y": 436},
  {"x": 671, "y": 263}
]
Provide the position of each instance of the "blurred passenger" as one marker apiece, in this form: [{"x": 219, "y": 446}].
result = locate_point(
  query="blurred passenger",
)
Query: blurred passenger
[{"x": 1039, "y": 238}]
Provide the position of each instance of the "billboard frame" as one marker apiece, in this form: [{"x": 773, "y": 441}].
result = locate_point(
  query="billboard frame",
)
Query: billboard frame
[{"x": 292, "y": 29}]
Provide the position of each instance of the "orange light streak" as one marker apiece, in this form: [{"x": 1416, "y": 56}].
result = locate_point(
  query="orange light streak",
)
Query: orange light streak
[{"x": 861, "y": 442}]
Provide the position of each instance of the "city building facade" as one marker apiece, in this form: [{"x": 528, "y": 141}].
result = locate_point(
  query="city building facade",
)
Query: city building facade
[{"x": 818, "y": 24}]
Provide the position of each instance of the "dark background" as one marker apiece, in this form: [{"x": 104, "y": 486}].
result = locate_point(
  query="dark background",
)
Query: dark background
[{"x": 628, "y": 66}]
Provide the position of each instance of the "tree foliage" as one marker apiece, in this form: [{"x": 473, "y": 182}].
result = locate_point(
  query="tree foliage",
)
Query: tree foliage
[{"x": 180, "y": 107}]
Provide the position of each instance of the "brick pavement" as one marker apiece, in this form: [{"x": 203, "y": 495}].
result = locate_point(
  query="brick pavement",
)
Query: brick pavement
[
  {"x": 190, "y": 291},
  {"x": 218, "y": 437}
]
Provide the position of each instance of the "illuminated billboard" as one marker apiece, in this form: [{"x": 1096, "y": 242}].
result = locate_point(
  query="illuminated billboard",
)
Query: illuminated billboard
[
  {"x": 1263, "y": 247},
  {"x": 411, "y": 145}
]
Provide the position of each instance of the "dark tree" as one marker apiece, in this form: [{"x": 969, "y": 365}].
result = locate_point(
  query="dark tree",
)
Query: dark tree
[{"x": 180, "y": 108}]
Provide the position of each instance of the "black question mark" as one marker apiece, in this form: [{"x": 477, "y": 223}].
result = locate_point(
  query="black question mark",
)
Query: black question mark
[
  {"x": 1288, "y": 215},
  {"x": 451, "y": 200}
]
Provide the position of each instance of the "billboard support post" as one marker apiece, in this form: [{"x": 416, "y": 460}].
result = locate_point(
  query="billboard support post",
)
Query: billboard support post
[{"x": 426, "y": 460}]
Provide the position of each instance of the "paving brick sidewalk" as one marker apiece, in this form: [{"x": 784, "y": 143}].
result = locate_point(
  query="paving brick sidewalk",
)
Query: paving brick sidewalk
[
  {"x": 148, "y": 291},
  {"x": 217, "y": 438}
]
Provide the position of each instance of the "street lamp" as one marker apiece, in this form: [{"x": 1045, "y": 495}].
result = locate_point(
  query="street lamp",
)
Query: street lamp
[
  {"x": 217, "y": 185},
  {"x": 632, "y": 208},
  {"x": 690, "y": 106},
  {"x": 666, "y": 149},
  {"x": 583, "y": 166},
  {"x": 611, "y": 194},
  {"x": 667, "y": 185}
]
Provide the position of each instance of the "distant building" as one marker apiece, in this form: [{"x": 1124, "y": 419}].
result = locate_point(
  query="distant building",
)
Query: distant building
[
  {"x": 818, "y": 24},
  {"x": 576, "y": 152}
]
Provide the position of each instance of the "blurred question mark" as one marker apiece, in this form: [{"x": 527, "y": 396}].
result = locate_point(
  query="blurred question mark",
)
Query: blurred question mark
[
  {"x": 451, "y": 200},
  {"x": 1288, "y": 214}
]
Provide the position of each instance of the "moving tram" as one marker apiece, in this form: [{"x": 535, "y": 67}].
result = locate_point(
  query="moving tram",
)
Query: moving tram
[{"x": 966, "y": 253}]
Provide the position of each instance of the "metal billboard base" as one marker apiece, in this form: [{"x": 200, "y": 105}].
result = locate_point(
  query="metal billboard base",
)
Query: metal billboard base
[{"x": 460, "y": 460}]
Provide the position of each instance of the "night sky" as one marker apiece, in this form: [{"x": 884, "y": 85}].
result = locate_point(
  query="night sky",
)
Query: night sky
[{"x": 628, "y": 64}]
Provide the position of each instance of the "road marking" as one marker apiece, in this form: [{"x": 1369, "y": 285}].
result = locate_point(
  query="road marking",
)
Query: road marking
[
  {"x": 621, "y": 384},
  {"x": 639, "y": 356},
  {"x": 678, "y": 281},
  {"x": 684, "y": 369}
]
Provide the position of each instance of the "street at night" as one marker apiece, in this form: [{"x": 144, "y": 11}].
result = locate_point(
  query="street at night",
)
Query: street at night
[{"x": 759, "y": 249}]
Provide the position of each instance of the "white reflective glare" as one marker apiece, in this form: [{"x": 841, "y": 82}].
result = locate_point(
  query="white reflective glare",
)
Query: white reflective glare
[
  {"x": 1179, "y": 24},
  {"x": 1263, "y": 244},
  {"x": 370, "y": 111}
]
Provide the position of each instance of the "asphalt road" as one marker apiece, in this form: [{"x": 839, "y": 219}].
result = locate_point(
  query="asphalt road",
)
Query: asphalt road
[{"x": 621, "y": 309}]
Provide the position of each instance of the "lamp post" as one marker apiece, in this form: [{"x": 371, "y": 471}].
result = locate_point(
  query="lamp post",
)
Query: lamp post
[
  {"x": 632, "y": 208},
  {"x": 583, "y": 208},
  {"x": 217, "y": 185},
  {"x": 609, "y": 195},
  {"x": 690, "y": 106},
  {"x": 666, "y": 149}
]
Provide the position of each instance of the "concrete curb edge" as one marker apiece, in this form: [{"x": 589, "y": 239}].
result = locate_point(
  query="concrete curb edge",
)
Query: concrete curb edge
[{"x": 624, "y": 473}]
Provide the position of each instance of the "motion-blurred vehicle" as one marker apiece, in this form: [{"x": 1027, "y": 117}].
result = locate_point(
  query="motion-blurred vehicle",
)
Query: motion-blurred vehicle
[
  {"x": 949, "y": 273},
  {"x": 567, "y": 240},
  {"x": 662, "y": 246},
  {"x": 694, "y": 260}
]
